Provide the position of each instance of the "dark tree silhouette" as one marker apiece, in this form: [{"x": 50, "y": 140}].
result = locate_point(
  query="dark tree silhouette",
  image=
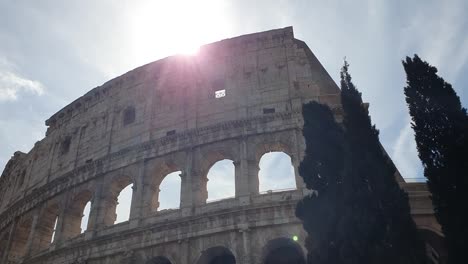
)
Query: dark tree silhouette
[
  {"x": 381, "y": 211},
  {"x": 358, "y": 213},
  {"x": 440, "y": 124},
  {"x": 322, "y": 170}
]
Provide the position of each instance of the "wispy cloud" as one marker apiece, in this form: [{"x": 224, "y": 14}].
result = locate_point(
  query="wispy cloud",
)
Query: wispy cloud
[
  {"x": 12, "y": 84},
  {"x": 405, "y": 154},
  {"x": 441, "y": 40}
]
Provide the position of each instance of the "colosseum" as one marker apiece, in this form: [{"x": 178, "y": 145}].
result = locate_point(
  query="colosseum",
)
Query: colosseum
[{"x": 237, "y": 99}]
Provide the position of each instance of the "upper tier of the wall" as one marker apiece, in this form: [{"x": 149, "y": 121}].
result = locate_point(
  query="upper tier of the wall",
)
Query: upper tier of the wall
[{"x": 260, "y": 73}]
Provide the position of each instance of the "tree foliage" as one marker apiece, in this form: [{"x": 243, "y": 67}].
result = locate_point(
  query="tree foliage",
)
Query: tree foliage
[
  {"x": 322, "y": 172},
  {"x": 359, "y": 213},
  {"x": 391, "y": 233},
  {"x": 440, "y": 124}
]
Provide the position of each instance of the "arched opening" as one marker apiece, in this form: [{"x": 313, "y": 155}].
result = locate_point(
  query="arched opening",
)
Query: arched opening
[
  {"x": 436, "y": 251},
  {"x": 169, "y": 191},
  {"x": 124, "y": 204},
  {"x": 47, "y": 226},
  {"x": 221, "y": 181},
  {"x": 217, "y": 255},
  {"x": 76, "y": 218},
  {"x": 117, "y": 201},
  {"x": 283, "y": 251},
  {"x": 276, "y": 172},
  {"x": 54, "y": 231},
  {"x": 128, "y": 115},
  {"x": 159, "y": 260},
  {"x": 20, "y": 239},
  {"x": 85, "y": 218}
]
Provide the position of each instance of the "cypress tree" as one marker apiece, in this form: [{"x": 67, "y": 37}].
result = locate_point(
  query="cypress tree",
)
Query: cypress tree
[
  {"x": 357, "y": 213},
  {"x": 382, "y": 223},
  {"x": 322, "y": 171},
  {"x": 440, "y": 124}
]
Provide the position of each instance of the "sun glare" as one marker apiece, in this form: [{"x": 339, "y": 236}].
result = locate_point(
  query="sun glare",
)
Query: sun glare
[
  {"x": 163, "y": 28},
  {"x": 189, "y": 50}
]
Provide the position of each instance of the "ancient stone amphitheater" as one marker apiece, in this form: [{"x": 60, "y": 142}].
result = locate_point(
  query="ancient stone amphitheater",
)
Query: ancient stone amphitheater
[{"x": 236, "y": 99}]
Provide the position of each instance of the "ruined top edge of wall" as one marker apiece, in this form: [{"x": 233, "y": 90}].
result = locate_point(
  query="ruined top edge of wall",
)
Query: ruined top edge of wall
[
  {"x": 17, "y": 157},
  {"x": 215, "y": 48}
]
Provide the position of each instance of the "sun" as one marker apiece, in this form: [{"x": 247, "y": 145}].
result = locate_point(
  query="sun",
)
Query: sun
[{"x": 162, "y": 28}]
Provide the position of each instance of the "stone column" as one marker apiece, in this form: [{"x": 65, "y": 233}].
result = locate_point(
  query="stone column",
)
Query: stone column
[
  {"x": 199, "y": 190},
  {"x": 186, "y": 188},
  {"x": 94, "y": 221},
  {"x": 242, "y": 175},
  {"x": 185, "y": 250},
  {"x": 107, "y": 212},
  {"x": 32, "y": 234},
  {"x": 253, "y": 169},
  {"x": 149, "y": 200},
  {"x": 150, "y": 203},
  {"x": 4, "y": 259},
  {"x": 299, "y": 181},
  {"x": 137, "y": 197},
  {"x": 59, "y": 228},
  {"x": 246, "y": 258},
  {"x": 297, "y": 158},
  {"x": 134, "y": 217}
]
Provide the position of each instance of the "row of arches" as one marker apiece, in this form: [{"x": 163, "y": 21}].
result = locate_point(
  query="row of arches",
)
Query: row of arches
[
  {"x": 277, "y": 251},
  {"x": 276, "y": 173},
  {"x": 70, "y": 219}
]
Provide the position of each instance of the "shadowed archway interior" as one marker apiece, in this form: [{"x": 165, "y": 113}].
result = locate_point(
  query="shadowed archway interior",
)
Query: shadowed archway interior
[
  {"x": 217, "y": 255},
  {"x": 158, "y": 260},
  {"x": 283, "y": 251}
]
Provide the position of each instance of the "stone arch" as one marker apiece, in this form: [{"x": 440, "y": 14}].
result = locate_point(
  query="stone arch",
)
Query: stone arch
[
  {"x": 216, "y": 255},
  {"x": 282, "y": 251},
  {"x": 45, "y": 232},
  {"x": 276, "y": 172},
  {"x": 221, "y": 175},
  {"x": 283, "y": 142},
  {"x": 111, "y": 198},
  {"x": 74, "y": 214},
  {"x": 158, "y": 260},
  {"x": 209, "y": 156},
  {"x": 157, "y": 173},
  {"x": 170, "y": 191},
  {"x": 267, "y": 147},
  {"x": 436, "y": 250},
  {"x": 20, "y": 238}
]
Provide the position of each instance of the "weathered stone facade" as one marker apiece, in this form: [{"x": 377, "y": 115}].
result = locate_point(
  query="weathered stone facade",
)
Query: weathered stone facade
[{"x": 164, "y": 117}]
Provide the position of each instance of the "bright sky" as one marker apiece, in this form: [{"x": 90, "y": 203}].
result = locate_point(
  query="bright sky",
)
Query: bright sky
[{"x": 52, "y": 52}]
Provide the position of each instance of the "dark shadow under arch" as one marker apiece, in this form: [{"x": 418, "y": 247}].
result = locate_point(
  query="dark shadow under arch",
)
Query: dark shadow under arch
[
  {"x": 158, "y": 260},
  {"x": 283, "y": 251},
  {"x": 217, "y": 255}
]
